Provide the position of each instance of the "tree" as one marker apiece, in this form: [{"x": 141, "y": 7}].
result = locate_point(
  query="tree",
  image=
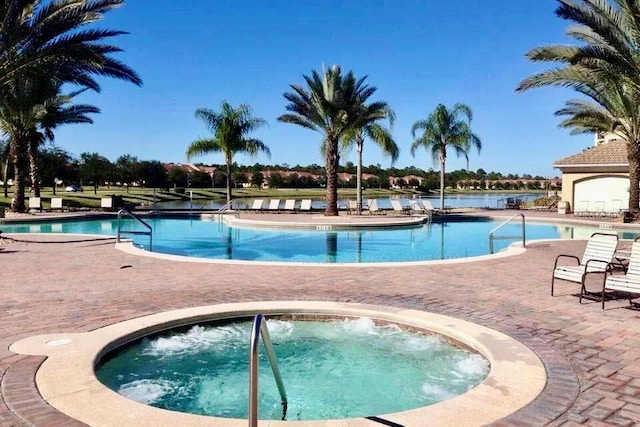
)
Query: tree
[
  {"x": 53, "y": 165},
  {"x": 330, "y": 105},
  {"x": 49, "y": 110},
  {"x": 153, "y": 174},
  {"x": 4, "y": 158},
  {"x": 368, "y": 126},
  {"x": 230, "y": 128},
  {"x": 256, "y": 179},
  {"x": 51, "y": 41},
  {"x": 95, "y": 169},
  {"x": 127, "y": 169},
  {"x": 605, "y": 68},
  {"x": 445, "y": 129}
]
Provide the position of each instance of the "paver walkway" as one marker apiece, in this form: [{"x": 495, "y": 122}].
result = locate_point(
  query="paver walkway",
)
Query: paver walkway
[{"x": 592, "y": 356}]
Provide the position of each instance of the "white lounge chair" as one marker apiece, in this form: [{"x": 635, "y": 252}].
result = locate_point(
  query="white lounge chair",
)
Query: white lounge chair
[
  {"x": 257, "y": 205},
  {"x": 613, "y": 209},
  {"x": 373, "y": 207},
  {"x": 305, "y": 205},
  {"x": 582, "y": 208},
  {"x": 628, "y": 283},
  {"x": 597, "y": 256},
  {"x": 56, "y": 203},
  {"x": 274, "y": 204},
  {"x": 106, "y": 203},
  {"x": 289, "y": 204},
  {"x": 399, "y": 207},
  {"x": 34, "y": 203}
]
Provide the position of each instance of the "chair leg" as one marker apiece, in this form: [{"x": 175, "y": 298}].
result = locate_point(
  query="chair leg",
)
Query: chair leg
[{"x": 553, "y": 278}]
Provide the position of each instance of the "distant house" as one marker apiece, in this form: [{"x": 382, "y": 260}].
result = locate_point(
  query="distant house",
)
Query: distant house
[{"x": 598, "y": 174}]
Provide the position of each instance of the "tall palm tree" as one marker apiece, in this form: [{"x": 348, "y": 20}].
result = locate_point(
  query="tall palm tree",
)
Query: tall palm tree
[
  {"x": 445, "y": 129},
  {"x": 331, "y": 105},
  {"x": 605, "y": 67},
  {"x": 4, "y": 159},
  {"x": 230, "y": 127},
  {"x": 50, "y": 40},
  {"x": 370, "y": 127}
]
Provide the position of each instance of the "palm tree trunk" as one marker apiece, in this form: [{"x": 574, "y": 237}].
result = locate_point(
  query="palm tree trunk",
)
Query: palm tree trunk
[
  {"x": 332, "y": 160},
  {"x": 18, "y": 204},
  {"x": 5, "y": 174},
  {"x": 442, "y": 161},
  {"x": 228, "y": 179},
  {"x": 359, "y": 144},
  {"x": 633, "y": 150},
  {"x": 33, "y": 168}
]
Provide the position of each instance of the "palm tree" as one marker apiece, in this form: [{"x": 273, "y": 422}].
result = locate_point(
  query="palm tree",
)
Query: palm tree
[
  {"x": 51, "y": 38},
  {"x": 230, "y": 127},
  {"x": 445, "y": 129},
  {"x": 605, "y": 68},
  {"x": 4, "y": 158},
  {"x": 331, "y": 105},
  {"x": 51, "y": 41},
  {"x": 370, "y": 128}
]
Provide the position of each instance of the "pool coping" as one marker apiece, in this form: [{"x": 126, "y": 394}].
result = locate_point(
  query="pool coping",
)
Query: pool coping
[{"x": 66, "y": 380}]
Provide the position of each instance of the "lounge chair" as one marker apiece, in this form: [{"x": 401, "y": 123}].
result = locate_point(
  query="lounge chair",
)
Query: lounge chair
[
  {"x": 418, "y": 206},
  {"x": 289, "y": 204},
  {"x": 106, "y": 203},
  {"x": 373, "y": 207},
  {"x": 352, "y": 206},
  {"x": 597, "y": 256},
  {"x": 274, "y": 204},
  {"x": 257, "y": 205},
  {"x": 628, "y": 283},
  {"x": 305, "y": 205},
  {"x": 399, "y": 207},
  {"x": 34, "y": 203},
  {"x": 613, "y": 209},
  {"x": 582, "y": 208},
  {"x": 56, "y": 203}
]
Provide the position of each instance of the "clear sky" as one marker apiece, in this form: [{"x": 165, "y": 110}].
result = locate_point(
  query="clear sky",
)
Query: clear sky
[{"x": 418, "y": 53}]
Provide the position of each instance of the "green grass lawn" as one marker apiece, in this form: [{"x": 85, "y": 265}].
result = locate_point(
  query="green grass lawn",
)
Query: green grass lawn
[{"x": 144, "y": 196}]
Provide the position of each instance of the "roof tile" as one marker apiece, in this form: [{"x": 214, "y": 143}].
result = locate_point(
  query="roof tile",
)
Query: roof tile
[{"x": 615, "y": 152}]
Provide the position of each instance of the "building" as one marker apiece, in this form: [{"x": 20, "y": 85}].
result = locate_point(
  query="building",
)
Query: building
[{"x": 596, "y": 176}]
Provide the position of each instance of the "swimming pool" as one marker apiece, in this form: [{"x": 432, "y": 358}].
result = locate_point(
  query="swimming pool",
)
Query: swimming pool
[{"x": 202, "y": 238}]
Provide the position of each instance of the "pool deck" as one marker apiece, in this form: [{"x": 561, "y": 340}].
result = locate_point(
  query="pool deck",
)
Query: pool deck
[{"x": 52, "y": 284}]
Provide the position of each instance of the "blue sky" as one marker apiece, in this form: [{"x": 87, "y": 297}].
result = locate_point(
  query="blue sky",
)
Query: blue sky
[{"x": 195, "y": 53}]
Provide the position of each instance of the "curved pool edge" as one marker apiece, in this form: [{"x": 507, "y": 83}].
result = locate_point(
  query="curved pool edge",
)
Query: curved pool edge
[
  {"x": 127, "y": 246},
  {"x": 66, "y": 380}
]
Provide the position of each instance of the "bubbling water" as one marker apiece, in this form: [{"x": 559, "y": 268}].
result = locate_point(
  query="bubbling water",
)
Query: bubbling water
[{"x": 331, "y": 370}]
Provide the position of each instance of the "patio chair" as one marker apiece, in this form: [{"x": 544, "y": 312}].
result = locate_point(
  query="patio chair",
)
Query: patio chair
[
  {"x": 598, "y": 210},
  {"x": 582, "y": 208},
  {"x": 257, "y": 205},
  {"x": 305, "y": 205},
  {"x": 274, "y": 204},
  {"x": 56, "y": 203},
  {"x": 106, "y": 203},
  {"x": 613, "y": 209},
  {"x": 628, "y": 283},
  {"x": 34, "y": 203},
  {"x": 399, "y": 207},
  {"x": 418, "y": 207},
  {"x": 373, "y": 207},
  {"x": 289, "y": 204},
  {"x": 597, "y": 256}
]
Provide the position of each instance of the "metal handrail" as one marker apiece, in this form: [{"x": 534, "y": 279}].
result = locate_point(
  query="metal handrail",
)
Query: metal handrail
[
  {"x": 122, "y": 212},
  {"x": 225, "y": 208},
  {"x": 492, "y": 237},
  {"x": 260, "y": 328}
]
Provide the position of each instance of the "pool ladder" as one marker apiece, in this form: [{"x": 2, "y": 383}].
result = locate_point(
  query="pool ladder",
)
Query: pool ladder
[
  {"x": 148, "y": 232},
  {"x": 260, "y": 328},
  {"x": 493, "y": 237}
]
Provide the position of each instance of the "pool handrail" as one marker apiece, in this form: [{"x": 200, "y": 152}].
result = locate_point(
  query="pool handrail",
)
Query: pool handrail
[
  {"x": 492, "y": 236},
  {"x": 122, "y": 212},
  {"x": 260, "y": 328}
]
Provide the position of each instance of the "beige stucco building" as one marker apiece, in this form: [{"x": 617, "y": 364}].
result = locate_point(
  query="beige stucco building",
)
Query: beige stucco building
[{"x": 597, "y": 178}]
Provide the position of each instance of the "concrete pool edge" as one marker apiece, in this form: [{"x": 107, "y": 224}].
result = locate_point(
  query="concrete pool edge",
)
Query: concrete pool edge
[
  {"x": 128, "y": 247},
  {"x": 66, "y": 380}
]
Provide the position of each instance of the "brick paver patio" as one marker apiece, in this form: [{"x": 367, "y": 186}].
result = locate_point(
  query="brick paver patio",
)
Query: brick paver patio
[{"x": 591, "y": 355}]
